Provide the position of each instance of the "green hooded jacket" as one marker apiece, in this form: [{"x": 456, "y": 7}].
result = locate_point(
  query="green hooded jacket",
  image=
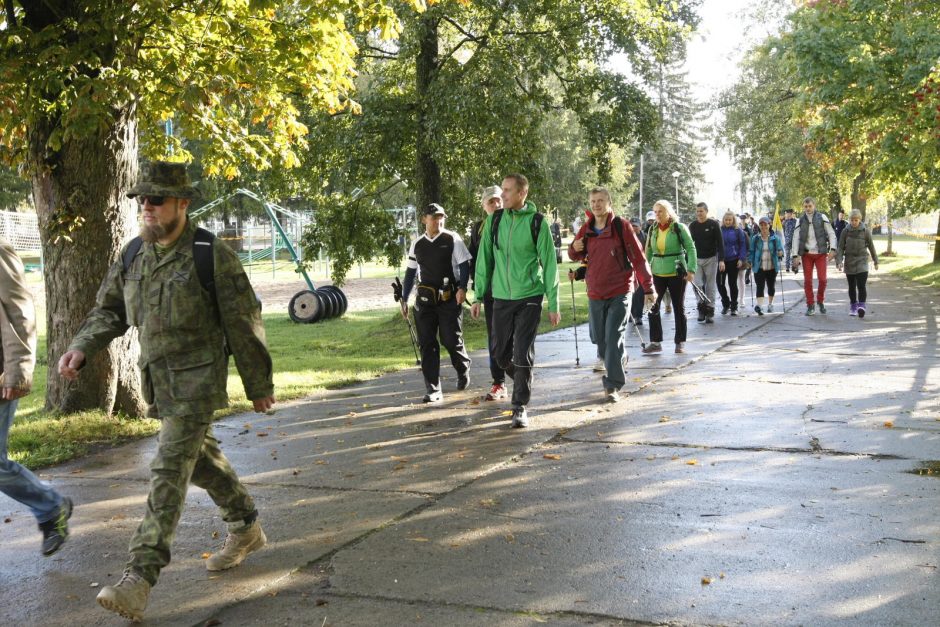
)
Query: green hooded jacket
[{"x": 517, "y": 269}]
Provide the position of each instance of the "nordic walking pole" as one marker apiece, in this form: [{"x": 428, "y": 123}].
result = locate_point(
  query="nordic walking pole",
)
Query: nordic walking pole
[
  {"x": 783, "y": 293},
  {"x": 399, "y": 298},
  {"x": 753, "y": 280},
  {"x": 574, "y": 316},
  {"x": 637, "y": 329}
]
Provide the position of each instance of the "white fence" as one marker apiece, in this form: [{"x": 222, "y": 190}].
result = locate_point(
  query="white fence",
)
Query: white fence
[{"x": 20, "y": 229}]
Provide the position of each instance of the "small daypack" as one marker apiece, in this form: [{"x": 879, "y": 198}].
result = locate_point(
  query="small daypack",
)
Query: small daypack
[{"x": 536, "y": 226}]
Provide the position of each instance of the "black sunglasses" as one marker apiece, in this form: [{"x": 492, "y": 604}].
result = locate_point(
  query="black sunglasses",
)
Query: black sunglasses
[{"x": 156, "y": 201}]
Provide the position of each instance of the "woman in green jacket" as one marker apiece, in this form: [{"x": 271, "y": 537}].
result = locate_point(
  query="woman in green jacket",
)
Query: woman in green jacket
[{"x": 671, "y": 253}]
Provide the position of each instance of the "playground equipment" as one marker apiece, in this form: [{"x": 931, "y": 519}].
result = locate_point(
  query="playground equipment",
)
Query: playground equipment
[{"x": 306, "y": 306}]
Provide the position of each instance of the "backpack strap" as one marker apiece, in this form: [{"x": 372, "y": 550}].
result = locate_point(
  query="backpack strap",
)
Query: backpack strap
[
  {"x": 618, "y": 226},
  {"x": 203, "y": 257},
  {"x": 133, "y": 247},
  {"x": 535, "y": 225}
]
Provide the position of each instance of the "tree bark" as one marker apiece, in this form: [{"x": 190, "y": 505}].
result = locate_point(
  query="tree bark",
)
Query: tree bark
[
  {"x": 427, "y": 172},
  {"x": 84, "y": 218},
  {"x": 859, "y": 198}
]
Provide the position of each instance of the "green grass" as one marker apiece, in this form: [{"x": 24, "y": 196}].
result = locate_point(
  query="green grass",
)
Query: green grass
[
  {"x": 913, "y": 260},
  {"x": 307, "y": 358}
]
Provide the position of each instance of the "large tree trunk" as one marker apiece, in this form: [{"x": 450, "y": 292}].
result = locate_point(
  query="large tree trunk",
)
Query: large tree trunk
[
  {"x": 936, "y": 244},
  {"x": 428, "y": 173},
  {"x": 84, "y": 218},
  {"x": 859, "y": 198}
]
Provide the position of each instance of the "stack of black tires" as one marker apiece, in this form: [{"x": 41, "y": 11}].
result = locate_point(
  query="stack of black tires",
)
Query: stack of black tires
[{"x": 323, "y": 303}]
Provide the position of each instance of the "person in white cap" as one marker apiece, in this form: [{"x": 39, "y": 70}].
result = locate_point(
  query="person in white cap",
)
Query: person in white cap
[{"x": 491, "y": 199}]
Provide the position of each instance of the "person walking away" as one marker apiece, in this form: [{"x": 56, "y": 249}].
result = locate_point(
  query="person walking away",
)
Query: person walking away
[
  {"x": 766, "y": 253},
  {"x": 518, "y": 262},
  {"x": 709, "y": 248},
  {"x": 672, "y": 256},
  {"x": 440, "y": 262},
  {"x": 855, "y": 244},
  {"x": 614, "y": 258},
  {"x": 18, "y": 345},
  {"x": 789, "y": 225},
  {"x": 744, "y": 274},
  {"x": 734, "y": 245},
  {"x": 813, "y": 247},
  {"x": 637, "y": 306},
  {"x": 491, "y": 200},
  {"x": 839, "y": 225},
  {"x": 186, "y": 329}
]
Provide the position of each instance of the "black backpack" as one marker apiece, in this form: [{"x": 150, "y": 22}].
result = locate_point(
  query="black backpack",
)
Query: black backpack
[
  {"x": 536, "y": 226},
  {"x": 616, "y": 225},
  {"x": 202, "y": 257}
]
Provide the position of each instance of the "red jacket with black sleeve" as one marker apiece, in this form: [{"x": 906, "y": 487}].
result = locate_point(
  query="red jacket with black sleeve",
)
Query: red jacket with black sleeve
[{"x": 606, "y": 276}]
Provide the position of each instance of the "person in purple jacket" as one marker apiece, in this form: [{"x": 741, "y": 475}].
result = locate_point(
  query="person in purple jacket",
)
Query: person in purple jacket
[{"x": 735, "y": 257}]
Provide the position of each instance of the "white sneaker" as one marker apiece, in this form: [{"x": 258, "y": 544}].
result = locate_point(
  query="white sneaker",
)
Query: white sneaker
[{"x": 599, "y": 365}]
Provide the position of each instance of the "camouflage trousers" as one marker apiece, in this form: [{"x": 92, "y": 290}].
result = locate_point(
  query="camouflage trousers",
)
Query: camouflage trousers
[{"x": 186, "y": 453}]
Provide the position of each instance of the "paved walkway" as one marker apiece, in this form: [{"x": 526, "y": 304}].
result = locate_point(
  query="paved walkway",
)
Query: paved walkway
[{"x": 773, "y": 474}]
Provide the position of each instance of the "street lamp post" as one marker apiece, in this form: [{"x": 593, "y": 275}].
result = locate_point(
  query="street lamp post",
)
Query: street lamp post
[{"x": 675, "y": 177}]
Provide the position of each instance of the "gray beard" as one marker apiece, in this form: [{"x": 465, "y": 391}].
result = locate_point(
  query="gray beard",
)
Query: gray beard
[{"x": 153, "y": 233}]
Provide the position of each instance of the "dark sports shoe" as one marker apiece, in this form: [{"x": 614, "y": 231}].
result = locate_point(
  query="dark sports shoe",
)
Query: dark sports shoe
[
  {"x": 822, "y": 308},
  {"x": 520, "y": 419},
  {"x": 680, "y": 347},
  {"x": 861, "y": 310},
  {"x": 701, "y": 317},
  {"x": 709, "y": 321},
  {"x": 612, "y": 395},
  {"x": 463, "y": 381},
  {"x": 433, "y": 397},
  {"x": 758, "y": 310},
  {"x": 725, "y": 310},
  {"x": 652, "y": 347},
  {"x": 811, "y": 310},
  {"x": 55, "y": 531}
]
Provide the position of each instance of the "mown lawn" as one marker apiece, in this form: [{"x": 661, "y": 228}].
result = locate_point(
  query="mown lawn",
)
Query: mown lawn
[{"x": 307, "y": 358}]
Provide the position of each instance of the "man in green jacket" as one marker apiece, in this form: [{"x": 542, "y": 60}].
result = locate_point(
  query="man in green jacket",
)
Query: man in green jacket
[
  {"x": 518, "y": 264},
  {"x": 186, "y": 332}
]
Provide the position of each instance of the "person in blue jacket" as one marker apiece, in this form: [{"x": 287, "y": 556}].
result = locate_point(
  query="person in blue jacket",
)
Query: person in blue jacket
[
  {"x": 765, "y": 255},
  {"x": 735, "y": 258}
]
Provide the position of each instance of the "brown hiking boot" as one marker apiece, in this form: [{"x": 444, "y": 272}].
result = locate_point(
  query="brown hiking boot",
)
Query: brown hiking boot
[
  {"x": 237, "y": 547},
  {"x": 128, "y": 598}
]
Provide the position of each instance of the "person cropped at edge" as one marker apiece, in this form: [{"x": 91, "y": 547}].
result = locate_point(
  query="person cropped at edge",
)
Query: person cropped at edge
[
  {"x": 441, "y": 263},
  {"x": 855, "y": 244},
  {"x": 609, "y": 283},
  {"x": 186, "y": 332},
  {"x": 814, "y": 244},
  {"x": 765, "y": 254},
  {"x": 671, "y": 253},
  {"x": 491, "y": 199},
  {"x": 710, "y": 252},
  {"x": 521, "y": 272},
  {"x": 18, "y": 335}
]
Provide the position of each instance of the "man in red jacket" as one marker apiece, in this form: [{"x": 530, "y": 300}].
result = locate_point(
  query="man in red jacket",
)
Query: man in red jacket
[{"x": 614, "y": 259}]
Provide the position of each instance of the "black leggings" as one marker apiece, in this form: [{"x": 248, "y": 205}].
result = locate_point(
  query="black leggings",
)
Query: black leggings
[
  {"x": 675, "y": 285},
  {"x": 857, "y": 282},
  {"x": 731, "y": 275},
  {"x": 768, "y": 278}
]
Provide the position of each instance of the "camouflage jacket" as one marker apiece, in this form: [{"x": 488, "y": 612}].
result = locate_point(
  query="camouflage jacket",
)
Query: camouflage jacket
[{"x": 183, "y": 331}]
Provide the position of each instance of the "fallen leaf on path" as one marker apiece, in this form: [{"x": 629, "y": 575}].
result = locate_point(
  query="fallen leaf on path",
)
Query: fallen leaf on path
[
  {"x": 665, "y": 419},
  {"x": 488, "y": 503},
  {"x": 215, "y": 534},
  {"x": 888, "y": 424},
  {"x": 247, "y": 425},
  {"x": 721, "y": 576},
  {"x": 475, "y": 401},
  {"x": 94, "y": 584},
  {"x": 262, "y": 434},
  {"x": 510, "y": 538},
  {"x": 321, "y": 462},
  {"x": 508, "y": 412},
  {"x": 205, "y": 556},
  {"x": 650, "y": 457},
  {"x": 551, "y": 456},
  {"x": 692, "y": 462},
  {"x": 706, "y": 581},
  {"x": 7, "y": 520},
  {"x": 77, "y": 471},
  {"x": 295, "y": 473},
  {"x": 674, "y": 457},
  {"x": 320, "y": 602},
  {"x": 419, "y": 539}
]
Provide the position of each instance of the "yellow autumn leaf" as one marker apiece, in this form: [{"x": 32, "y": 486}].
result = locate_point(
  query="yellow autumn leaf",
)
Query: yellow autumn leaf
[
  {"x": 692, "y": 462},
  {"x": 889, "y": 424},
  {"x": 551, "y": 456},
  {"x": 706, "y": 581}
]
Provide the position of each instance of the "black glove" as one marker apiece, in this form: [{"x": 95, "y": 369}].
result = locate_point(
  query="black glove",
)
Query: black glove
[{"x": 397, "y": 290}]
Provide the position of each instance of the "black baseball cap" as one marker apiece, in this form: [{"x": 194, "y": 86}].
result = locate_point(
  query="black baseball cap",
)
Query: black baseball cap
[{"x": 434, "y": 209}]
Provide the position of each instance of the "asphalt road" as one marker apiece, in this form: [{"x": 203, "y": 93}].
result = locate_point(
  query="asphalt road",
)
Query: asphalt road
[{"x": 775, "y": 474}]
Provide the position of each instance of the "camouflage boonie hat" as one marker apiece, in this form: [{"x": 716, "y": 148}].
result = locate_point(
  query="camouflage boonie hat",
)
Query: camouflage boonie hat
[{"x": 162, "y": 178}]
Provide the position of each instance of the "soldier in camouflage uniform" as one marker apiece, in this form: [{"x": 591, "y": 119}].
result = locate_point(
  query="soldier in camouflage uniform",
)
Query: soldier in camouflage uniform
[{"x": 184, "y": 366}]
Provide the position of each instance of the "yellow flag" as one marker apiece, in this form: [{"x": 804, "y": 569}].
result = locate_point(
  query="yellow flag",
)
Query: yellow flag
[{"x": 778, "y": 224}]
